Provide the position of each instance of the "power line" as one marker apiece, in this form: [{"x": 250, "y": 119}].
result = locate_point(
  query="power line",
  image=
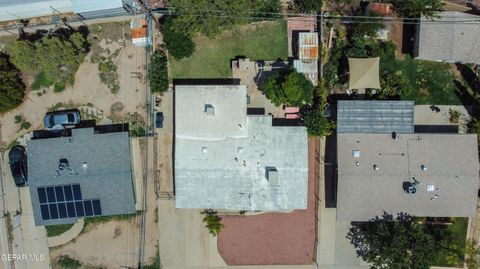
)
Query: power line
[
  {"x": 306, "y": 16},
  {"x": 344, "y": 19}
]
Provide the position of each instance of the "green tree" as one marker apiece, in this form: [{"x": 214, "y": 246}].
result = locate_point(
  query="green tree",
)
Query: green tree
[
  {"x": 212, "y": 221},
  {"x": 179, "y": 44},
  {"x": 416, "y": 8},
  {"x": 57, "y": 57},
  {"x": 290, "y": 88},
  {"x": 313, "y": 116},
  {"x": 308, "y": 6},
  {"x": 472, "y": 255},
  {"x": 12, "y": 89},
  {"x": 159, "y": 72},
  {"x": 389, "y": 242}
]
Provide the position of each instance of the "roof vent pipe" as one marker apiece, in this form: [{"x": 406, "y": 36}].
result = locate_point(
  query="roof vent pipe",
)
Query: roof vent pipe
[{"x": 424, "y": 168}]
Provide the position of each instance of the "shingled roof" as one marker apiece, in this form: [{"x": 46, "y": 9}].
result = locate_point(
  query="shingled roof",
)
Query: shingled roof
[{"x": 452, "y": 37}]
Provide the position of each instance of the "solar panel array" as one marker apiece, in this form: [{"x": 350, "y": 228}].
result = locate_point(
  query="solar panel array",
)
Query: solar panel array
[{"x": 60, "y": 202}]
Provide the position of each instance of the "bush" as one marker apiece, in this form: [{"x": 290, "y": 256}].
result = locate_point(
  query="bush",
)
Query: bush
[
  {"x": 212, "y": 221},
  {"x": 59, "y": 87},
  {"x": 25, "y": 125},
  {"x": 41, "y": 82},
  {"x": 68, "y": 263},
  {"x": 159, "y": 72},
  {"x": 308, "y": 6},
  {"x": 12, "y": 89}
]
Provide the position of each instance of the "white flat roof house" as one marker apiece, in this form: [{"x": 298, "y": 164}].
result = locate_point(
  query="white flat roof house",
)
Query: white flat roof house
[{"x": 226, "y": 159}]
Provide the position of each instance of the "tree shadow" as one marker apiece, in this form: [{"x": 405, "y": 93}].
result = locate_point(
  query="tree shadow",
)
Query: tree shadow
[{"x": 359, "y": 230}]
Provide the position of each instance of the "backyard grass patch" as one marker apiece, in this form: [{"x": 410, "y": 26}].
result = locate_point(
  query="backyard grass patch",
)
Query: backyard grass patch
[
  {"x": 92, "y": 221},
  {"x": 54, "y": 230},
  {"x": 449, "y": 250},
  {"x": 211, "y": 59},
  {"x": 431, "y": 82}
]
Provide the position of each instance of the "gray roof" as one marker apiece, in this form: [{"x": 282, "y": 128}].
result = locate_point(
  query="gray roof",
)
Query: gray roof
[
  {"x": 453, "y": 37},
  {"x": 23, "y": 9},
  {"x": 227, "y": 160},
  {"x": 375, "y": 116},
  {"x": 107, "y": 177},
  {"x": 84, "y": 6},
  {"x": 451, "y": 172}
]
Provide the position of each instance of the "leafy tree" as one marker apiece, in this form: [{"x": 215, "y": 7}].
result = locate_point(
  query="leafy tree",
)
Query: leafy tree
[
  {"x": 269, "y": 9},
  {"x": 416, "y": 8},
  {"x": 290, "y": 88},
  {"x": 58, "y": 57},
  {"x": 472, "y": 255},
  {"x": 361, "y": 27},
  {"x": 179, "y": 44},
  {"x": 212, "y": 221},
  {"x": 159, "y": 72},
  {"x": 313, "y": 116},
  {"x": 12, "y": 89},
  {"x": 308, "y": 6},
  {"x": 393, "y": 243}
]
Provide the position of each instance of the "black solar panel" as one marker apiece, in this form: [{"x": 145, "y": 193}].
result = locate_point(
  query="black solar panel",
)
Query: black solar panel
[
  {"x": 42, "y": 196},
  {"x": 66, "y": 202},
  {"x": 88, "y": 208},
  {"x": 51, "y": 195},
  {"x": 59, "y": 193},
  {"x": 68, "y": 193},
  {"x": 77, "y": 194}
]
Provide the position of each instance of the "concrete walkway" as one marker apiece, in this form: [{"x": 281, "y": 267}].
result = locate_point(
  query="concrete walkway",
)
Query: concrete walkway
[{"x": 67, "y": 236}]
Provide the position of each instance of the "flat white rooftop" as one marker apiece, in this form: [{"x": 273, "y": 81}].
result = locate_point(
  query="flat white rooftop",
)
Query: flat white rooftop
[{"x": 225, "y": 159}]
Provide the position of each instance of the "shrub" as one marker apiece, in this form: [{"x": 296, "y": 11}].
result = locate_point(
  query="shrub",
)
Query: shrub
[
  {"x": 68, "y": 263},
  {"x": 212, "y": 221},
  {"x": 41, "y": 82},
  {"x": 59, "y": 86},
  {"x": 158, "y": 72}
]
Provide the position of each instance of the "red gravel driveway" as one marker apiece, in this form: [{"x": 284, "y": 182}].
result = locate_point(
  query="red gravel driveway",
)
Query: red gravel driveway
[{"x": 273, "y": 238}]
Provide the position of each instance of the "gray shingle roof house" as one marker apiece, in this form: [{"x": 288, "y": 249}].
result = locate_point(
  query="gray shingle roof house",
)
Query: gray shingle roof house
[
  {"x": 85, "y": 174},
  {"x": 422, "y": 174},
  {"x": 453, "y": 37},
  {"x": 226, "y": 159}
]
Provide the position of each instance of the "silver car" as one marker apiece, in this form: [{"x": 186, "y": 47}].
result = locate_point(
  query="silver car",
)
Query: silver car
[{"x": 60, "y": 119}]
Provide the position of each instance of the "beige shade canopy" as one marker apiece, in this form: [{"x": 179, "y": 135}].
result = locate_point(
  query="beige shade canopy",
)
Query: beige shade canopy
[{"x": 364, "y": 73}]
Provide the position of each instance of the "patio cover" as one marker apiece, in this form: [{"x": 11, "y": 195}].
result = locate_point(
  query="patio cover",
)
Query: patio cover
[{"x": 364, "y": 73}]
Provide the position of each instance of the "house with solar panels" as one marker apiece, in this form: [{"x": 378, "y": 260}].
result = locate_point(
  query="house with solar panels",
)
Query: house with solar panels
[
  {"x": 82, "y": 172},
  {"x": 384, "y": 165}
]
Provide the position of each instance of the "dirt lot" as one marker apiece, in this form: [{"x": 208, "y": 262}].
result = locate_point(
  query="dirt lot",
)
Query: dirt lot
[
  {"x": 88, "y": 88},
  {"x": 272, "y": 238}
]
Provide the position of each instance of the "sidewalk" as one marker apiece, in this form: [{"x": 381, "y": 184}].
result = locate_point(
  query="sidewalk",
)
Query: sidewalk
[{"x": 67, "y": 236}]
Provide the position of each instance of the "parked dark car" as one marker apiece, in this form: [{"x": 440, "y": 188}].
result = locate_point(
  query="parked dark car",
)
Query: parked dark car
[
  {"x": 59, "y": 119},
  {"x": 159, "y": 120},
  {"x": 18, "y": 165}
]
